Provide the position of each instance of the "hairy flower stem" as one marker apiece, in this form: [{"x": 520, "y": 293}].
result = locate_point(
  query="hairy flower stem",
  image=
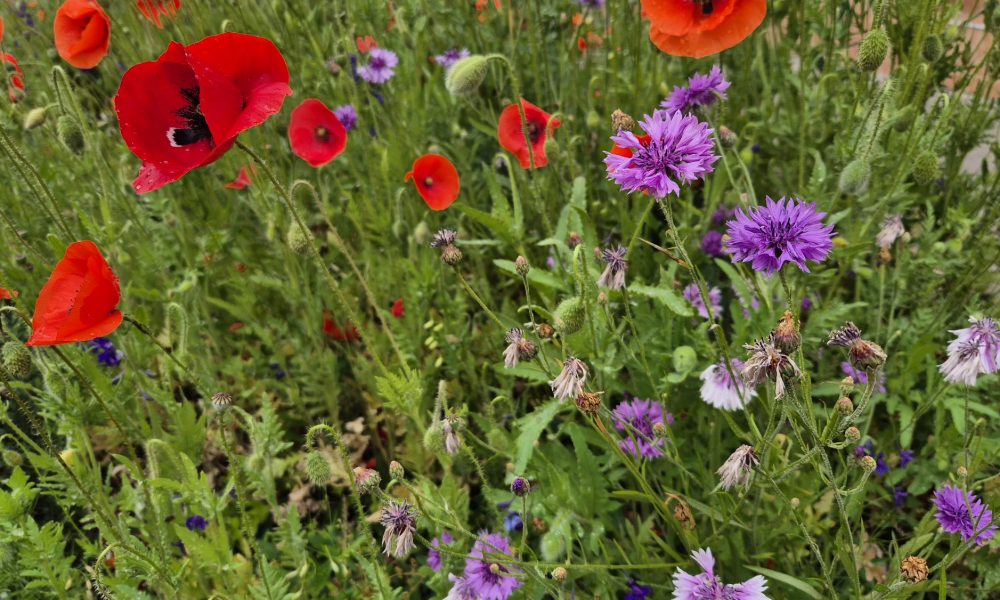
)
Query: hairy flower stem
[
  {"x": 534, "y": 326},
  {"x": 168, "y": 352},
  {"x": 30, "y": 176},
  {"x": 805, "y": 532},
  {"x": 479, "y": 301}
]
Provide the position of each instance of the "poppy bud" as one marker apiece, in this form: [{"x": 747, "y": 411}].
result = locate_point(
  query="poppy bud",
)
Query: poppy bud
[
  {"x": 396, "y": 471},
  {"x": 925, "y": 168},
  {"x": 221, "y": 401},
  {"x": 620, "y": 121},
  {"x": 914, "y": 569},
  {"x": 568, "y": 316},
  {"x": 298, "y": 239},
  {"x": 868, "y": 464},
  {"x": 17, "y": 359},
  {"x": 70, "y": 134},
  {"x": 932, "y": 48},
  {"x": 727, "y": 137},
  {"x": 521, "y": 266},
  {"x": 551, "y": 149},
  {"x": 12, "y": 458},
  {"x": 589, "y": 402},
  {"x": 318, "y": 468},
  {"x": 852, "y": 434},
  {"x": 904, "y": 119},
  {"x": 421, "y": 233},
  {"x": 786, "y": 334},
  {"x": 795, "y": 502},
  {"x": 854, "y": 178},
  {"x": 434, "y": 439},
  {"x": 593, "y": 120},
  {"x": 35, "y": 117},
  {"x": 520, "y": 487},
  {"x": 873, "y": 49},
  {"x": 465, "y": 76},
  {"x": 845, "y": 406}
]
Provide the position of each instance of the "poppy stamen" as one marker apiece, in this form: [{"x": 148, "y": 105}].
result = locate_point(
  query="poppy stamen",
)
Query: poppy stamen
[
  {"x": 197, "y": 128},
  {"x": 322, "y": 134},
  {"x": 428, "y": 182}
]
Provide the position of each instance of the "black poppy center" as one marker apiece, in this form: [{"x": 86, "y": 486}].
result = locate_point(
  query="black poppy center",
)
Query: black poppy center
[
  {"x": 195, "y": 128},
  {"x": 534, "y": 131},
  {"x": 428, "y": 182},
  {"x": 322, "y": 134}
]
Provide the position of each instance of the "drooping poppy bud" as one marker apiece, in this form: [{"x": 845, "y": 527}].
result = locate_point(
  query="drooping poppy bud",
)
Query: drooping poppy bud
[
  {"x": 436, "y": 179},
  {"x": 316, "y": 134}
]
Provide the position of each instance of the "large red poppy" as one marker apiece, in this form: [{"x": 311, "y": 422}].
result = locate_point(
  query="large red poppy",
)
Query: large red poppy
[
  {"x": 79, "y": 301},
  {"x": 83, "y": 33},
  {"x": 512, "y": 136},
  {"x": 154, "y": 9},
  {"x": 316, "y": 134},
  {"x": 704, "y": 27},
  {"x": 185, "y": 109},
  {"x": 436, "y": 180}
]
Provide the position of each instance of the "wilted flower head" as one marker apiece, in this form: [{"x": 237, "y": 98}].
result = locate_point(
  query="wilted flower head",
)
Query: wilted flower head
[
  {"x": 445, "y": 240},
  {"x": 766, "y": 361},
  {"x": 736, "y": 470},
  {"x": 862, "y": 354},
  {"x": 400, "y": 522},
  {"x": 780, "y": 232},
  {"x": 962, "y": 512},
  {"x": 722, "y": 390},
  {"x": 974, "y": 351},
  {"x": 702, "y": 90},
  {"x": 693, "y": 295},
  {"x": 518, "y": 348},
  {"x": 706, "y": 586},
  {"x": 677, "y": 149},
  {"x": 450, "y": 428},
  {"x": 637, "y": 419},
  {"x": 347, "y": 116},
  {"x": 569, "y": 383},
  {"x": 450, "y": 57},
  {"x": 379, "y": 69},
  {"x": 486, "y": 579},
  {"x": 433, "y": 555},
  {"x": 892, "y": 228},
  {"x": 613, "y": 276}
]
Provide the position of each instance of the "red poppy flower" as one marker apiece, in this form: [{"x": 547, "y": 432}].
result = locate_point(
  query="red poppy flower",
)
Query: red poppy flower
[
  {"x": 78, "y": 302},
  {"x": 702, "y": 28},
  {"x": 15, "y": 80},
  {"x": 512, "y": 136},
  {"x": 349, "y": 333},
  {"x": 627, "y": 152},
  {"x": 398, "y": 310},
  {"x": 6, "y": 294},
  {"x": 153, "y": 9},
  {"x": 242, "y": 180},
  {"x": 83, "y": 33},
  {"x": 436, "y": 180},
  {"x": 365, "y": 43},
  {"x": 1, "y": 29},
  {"x": 316, "y": 134},
  {"x": 185, "y": 109}
]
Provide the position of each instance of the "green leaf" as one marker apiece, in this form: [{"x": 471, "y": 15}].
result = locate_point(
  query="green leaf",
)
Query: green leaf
[
  {"x": 535, "y": 276},
  {"x": 496, "y": 224},
  {"x": 525, "y": 371},
  {"x": 665, "y": 296},
  {"x": 788, "y": 580},
  {"x": 530, "y": 427}
]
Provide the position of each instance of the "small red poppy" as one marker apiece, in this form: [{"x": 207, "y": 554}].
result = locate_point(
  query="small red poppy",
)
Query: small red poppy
[
  {"x": 153, "y": 9},
  {"x": 6, "y": 294},
  {"x": 349, "y": 333},
  {"x": 512, "y": 136},
  {"x": 315, "y": 133},
  {"x": 242, "y": 180},
  {"x": 398, "y": 310},
  {"x": 365, "y": 44},
  {"x": 83, "y": 33},
  {"x": 185, "y": 109},
  {"x": 436, "y": 180},
  {"x": 14, "y": 81},
  {"x": 79, "y": 301}
]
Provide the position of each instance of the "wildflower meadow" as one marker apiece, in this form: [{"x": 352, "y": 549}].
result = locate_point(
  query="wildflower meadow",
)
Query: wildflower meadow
[{"x": 499, "y": 299}]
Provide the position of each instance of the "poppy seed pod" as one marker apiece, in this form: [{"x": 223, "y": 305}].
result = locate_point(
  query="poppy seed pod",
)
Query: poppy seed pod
[
  {"x": 35, "y": 118},
  {"x": 855, "y": 177},
  {"x": 70, "y": 134},
  {"x": 318, "y": 468},
  {"x": 925, "y": 168},
  {"x": 569, "y": 315},
  {"x": 17, "y": 359},
  {"x": 221, "y": 401},
  {"x": 465, "y": 76},
  {"x": 873, "y": 49},
  {"x": 932, "y": 48}
]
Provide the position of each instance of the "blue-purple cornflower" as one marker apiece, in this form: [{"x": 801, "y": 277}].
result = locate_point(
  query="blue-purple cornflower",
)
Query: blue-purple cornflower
[
  {"x": 433, "y": 555},
  {"x": 868, "y": 449},
  {"x": 105, "y": 351},
  {"x": 679, "y": 150},
  {"x": 711, "y": 244},
  {"x": 899, "y": 496},
  {"x": 962, "y": 512},
  {"x": 637, "y": 592},
  {"x": 861, "y": 378},
  {"x": 513, "y": 522},
  {"x": 905, "y": 457},
  {"x": 637, "y": 418},
  {"x": 975, "y": 351},
  {"x": 484, "y": 579},
  {"x": 806, "y": 306},
  {"x": 702, "y": 90},
  {"x": 595, "y": 4},
  {"x": 196, "y": 523},
  {"x": 707, "y": 586},
  {"x": 692, "y": 295},
  {"x": 347, "y": 116},
  {"x": 379, "y": 69},
  {"x": 722, "y": 214},
  {"x": 450, "y": 57},
  {"x": 786, "y": 231}
]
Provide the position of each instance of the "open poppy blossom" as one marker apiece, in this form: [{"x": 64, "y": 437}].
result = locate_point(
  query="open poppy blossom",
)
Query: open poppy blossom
[
  {"x": 185, "y": 109},
  {"x": 512, "y": 136},
  {"x": 349, "y": 333},
  {"x": 365, "y": 43},
  {"x": 316, "y": 134},
  {"x": 154, "y": 9},
  {"x": 398, "y": 310},
  {"x": 699, "y": 28},
  {"x": 79, "y": 301},
  {"x": 6, "y": 294},
  {"x": 436, "y": 180},
  {"x": 242, "y": 180},
  {"x": 13, "y": 76},
  {"x": 83, "y": 33}
]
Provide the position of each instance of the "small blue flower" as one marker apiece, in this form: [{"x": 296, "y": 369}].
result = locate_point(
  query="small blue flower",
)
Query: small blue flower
[
  {"x": 105, "y": 351},
  {"x": 196, "y": 523},
  {"x": 512, "y": 522},
  {"x": 899, "y": 496},
  {"x": 905, "y": 457}
]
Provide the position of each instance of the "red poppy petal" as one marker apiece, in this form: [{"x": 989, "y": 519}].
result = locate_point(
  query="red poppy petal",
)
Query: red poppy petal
[
  {"x": 242, "y": 180},
  {"x": 713, "y": 35},
  {"x": 437, "y": 180},
  {"x": 152, "y": 176},
  {"x": 82, "y": 32},
  {"x": 6, "y": 294},
  {"x": 315, "y": 133},
  {"x": 511, "y": 135},
  {"x": 1, "y": 29}
]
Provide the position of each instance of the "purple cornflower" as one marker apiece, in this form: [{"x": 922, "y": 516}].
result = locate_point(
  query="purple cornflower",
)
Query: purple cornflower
[
  {"x": 637, "y": 592},
  {"x": 861, "y": 378},
  {"x": 702, "y": 90},
  {"x": 613, "y": 277},
  {"x": 637, "y": 418},
  {"x": 899, "y": 496},
  {"x": 450, "y": 57},
  {"x": 905, "y": 457},
  {"x": 485, "y": 579},
  {"x": 807, "y": 305},
  {"x": 379, "y": 69},
  {"x": 513, "y": 522},
  {"x": 747, "y": 305},
  {"x": 105, "y": 351},
  {"x": 723, "y": 391},
  {"x": 347, "y": 116},
  {"x": 706, "y": 586},
  {"x": 692, "y": 295},
  {"x": 722, "y": 214},
  {"x": 595, "y": 4},
  {"x": 974, "y": 351},
  {"x": 678, "y": 150},
  {"x": 400, "y": 522},
  {"x": 962, "y": 512},
  {"x": 780, "y": 232},
  {"x": 433, "y": 556},
  {"x": 196, "y": 523},
  {"x": 711, "y": 244},
  {"x": 569, "y": 383}
]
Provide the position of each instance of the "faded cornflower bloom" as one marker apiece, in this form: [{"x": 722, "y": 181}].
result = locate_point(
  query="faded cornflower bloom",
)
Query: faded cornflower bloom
[
  {"x": 621, "y": 120},
  {"x": 786, "y": 334},
  {"x": 737, "y": 468},
  {"x": 518, "y": 348},
  {"x": 450, "y": 427},
  {"x": 445, "y": 240},
  {"x": 862, "y": 354},
  {"x": 400, "y": 522},
  {"x": 766, "y": 361},
  {"x": 722, "y": 390},
  {"x": 974, "y": 351},
  {"x": 613, "y": 276},
  {"x": 569, "y": 383},
  {"x": 914, "y": 569},
  {"x": 892, "y": 229}
]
